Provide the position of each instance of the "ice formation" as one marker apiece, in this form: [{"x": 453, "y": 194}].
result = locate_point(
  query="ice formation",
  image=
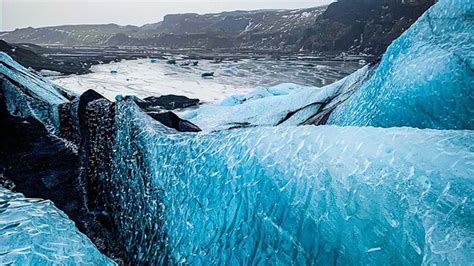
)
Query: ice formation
[
  {"x": 424, "y": 80},
  {"x": 35, "y": 232},
  {"x": 269, "y": 106},
  {"x": 348, "y": 195},
  {"x": 143, "y": 78},
  {"x": 27, "y": 94}
]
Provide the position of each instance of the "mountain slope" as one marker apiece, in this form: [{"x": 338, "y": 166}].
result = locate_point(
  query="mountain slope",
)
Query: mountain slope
[
  {"x": 237, "y": 29},
  {"x": 66, "y": 35},
  {"x": 362, "y": 26},
  {"x": 344, "y": 26}
]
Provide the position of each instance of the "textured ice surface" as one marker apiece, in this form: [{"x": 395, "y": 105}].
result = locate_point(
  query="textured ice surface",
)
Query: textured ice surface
[
  {"x": 28, "y": 94},
  {"x": 425, "y": 78},
  {"x": 35, "y": 232},
  {"x": 294, "y": 195},
  {"x": 269, "y": 106},
  {"x": 261, "y": 92}
]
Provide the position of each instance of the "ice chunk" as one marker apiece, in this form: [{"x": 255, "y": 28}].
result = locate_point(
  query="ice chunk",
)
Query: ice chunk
[
  {"x": 293, "y": 195},
  {"x": 28, "y": 94},
  {"x": 36, "y": 86},
  {"x": 262, "y": 92},
  {"x": 35, "y": 232}
]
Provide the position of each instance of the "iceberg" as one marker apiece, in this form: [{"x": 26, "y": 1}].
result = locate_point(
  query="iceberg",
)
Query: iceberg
[
  {"x": 348, "y": 195},
  {"x": 424, "y": 80},
  {"x": 35, "y": 232}
]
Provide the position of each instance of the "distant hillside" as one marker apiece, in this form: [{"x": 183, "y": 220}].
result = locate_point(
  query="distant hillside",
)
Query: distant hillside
[
  {"x": 66, "y": 35},
  {"x": 237, "y": 29},
  {"x": 366, "y": 26}
]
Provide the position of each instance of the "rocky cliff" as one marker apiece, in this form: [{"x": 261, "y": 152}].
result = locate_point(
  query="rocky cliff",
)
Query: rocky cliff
[{"x": 362, "y": 25}]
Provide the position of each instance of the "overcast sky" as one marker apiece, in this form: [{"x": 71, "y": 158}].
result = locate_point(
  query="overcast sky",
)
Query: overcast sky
[{"x": 36, "y": 13}]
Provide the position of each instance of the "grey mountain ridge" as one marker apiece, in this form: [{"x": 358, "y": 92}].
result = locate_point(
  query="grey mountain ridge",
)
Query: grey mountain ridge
[{"x": 344, "y": 26}]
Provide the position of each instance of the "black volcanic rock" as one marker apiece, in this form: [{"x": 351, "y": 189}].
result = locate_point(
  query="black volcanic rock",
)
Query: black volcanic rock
[
  {"x": 168, "y": 102},
  {"x": 207, "y": 74},
  {"x": 30, "y": 58},
  {"x": 155, "y": 106},
  {"x": 171, "y": 120}
]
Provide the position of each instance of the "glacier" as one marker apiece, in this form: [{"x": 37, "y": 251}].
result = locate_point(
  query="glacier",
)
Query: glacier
[
  {"x": 35, "y": 232},
  {"x": 293, "y": 195},
  {"x": 424, "y": 80},
  {"x": 377, "y": 168}
]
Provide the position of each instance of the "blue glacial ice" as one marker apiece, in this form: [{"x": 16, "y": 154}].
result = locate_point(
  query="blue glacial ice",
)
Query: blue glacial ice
[
  {"x": 35, "y": 232},
  {"x": 348, "y": 195},
  {"x": 424, "y": 80},
  {"x": 28, "y": 94},
  {"x": 287, "y": 194}
]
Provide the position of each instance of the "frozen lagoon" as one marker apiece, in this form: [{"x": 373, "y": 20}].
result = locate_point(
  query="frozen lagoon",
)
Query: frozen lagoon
[{"x": 143, "y": 78}]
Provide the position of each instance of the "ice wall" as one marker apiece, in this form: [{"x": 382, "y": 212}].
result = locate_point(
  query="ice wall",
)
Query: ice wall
[
  {"x": 293, "y": 195},
  {"x": 425, "y": 78},
  {"x": 35, "y": 232}
]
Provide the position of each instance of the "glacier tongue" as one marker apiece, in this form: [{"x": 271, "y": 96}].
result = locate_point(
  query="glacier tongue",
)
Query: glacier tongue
[
  {"x": 348, "y": 195},
  {"x": 35, "y": 232}
]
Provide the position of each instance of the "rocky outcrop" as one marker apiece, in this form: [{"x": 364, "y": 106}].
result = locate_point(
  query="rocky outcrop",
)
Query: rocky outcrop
[
  {"x": 171, "y": 120},
  {"x": 168, "y": 102},
  {"x": 29, "y": 58},
  {"x": 362, "y": 26}
]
